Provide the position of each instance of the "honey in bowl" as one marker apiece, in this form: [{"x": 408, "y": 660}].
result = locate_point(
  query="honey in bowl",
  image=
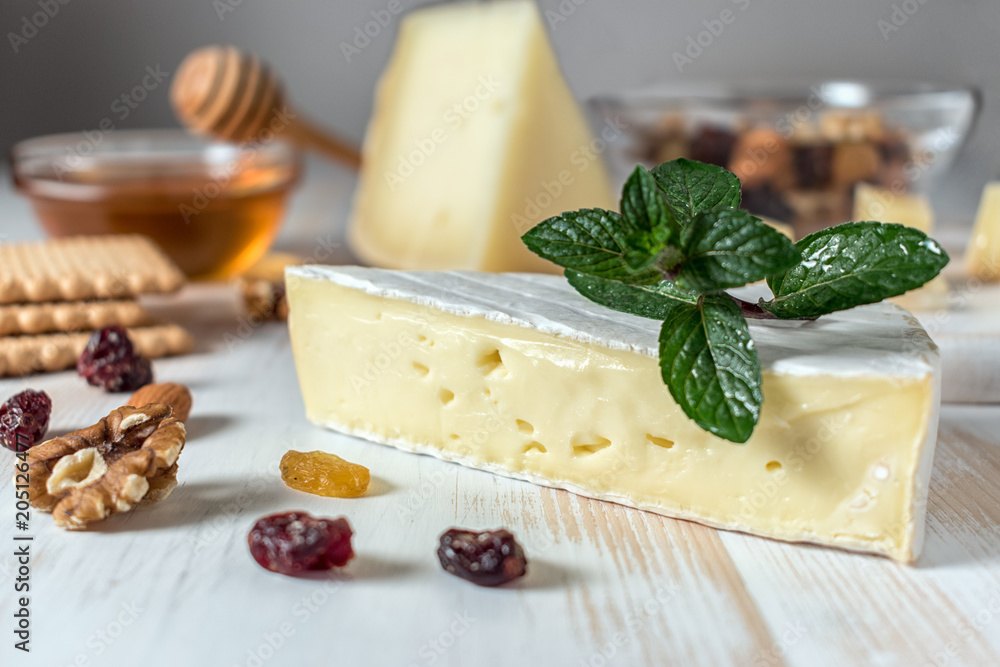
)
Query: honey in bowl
[{"x": 214, "y": 208}]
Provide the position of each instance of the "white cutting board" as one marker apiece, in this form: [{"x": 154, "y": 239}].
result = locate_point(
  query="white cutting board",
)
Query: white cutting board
[{"x": 968, "y": 332}]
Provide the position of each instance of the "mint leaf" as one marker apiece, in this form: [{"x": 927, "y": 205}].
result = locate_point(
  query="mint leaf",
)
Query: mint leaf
[
  {"x": 643, "y": 205},
  {"x": 645, "y": 247},
  {"x": 853, "y": 264},
  {"x": 730, "y": 248},
  {"x": 652, "y": 301},
  {"x": 644, "y": 209},
  {"x": 692, "y": 187},
  {"x": 590, "y": 241},
  {"x": 710, "y": 367}
]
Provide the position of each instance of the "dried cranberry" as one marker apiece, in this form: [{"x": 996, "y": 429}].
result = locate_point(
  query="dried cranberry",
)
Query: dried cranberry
[
  {"x": 294, "y": 542},
  {"x": 111, "y": 362},
  {"x": 488, "y": 558},
  {"x": 24, "y": 419}
]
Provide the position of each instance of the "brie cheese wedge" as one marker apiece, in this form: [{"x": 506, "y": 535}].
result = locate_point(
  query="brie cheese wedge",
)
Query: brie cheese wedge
[{"x": 519, "y": 375}]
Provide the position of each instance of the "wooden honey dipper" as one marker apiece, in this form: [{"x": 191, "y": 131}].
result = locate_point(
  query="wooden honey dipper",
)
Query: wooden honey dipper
[{"x": 221, "y": 92}]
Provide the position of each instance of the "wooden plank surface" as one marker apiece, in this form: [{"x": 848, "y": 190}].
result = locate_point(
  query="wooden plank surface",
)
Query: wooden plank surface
[{"x": 607, "y": 585}]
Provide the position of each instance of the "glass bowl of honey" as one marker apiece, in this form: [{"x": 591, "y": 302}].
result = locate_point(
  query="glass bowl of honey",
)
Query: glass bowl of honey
[{"x": 215, "y": 208}]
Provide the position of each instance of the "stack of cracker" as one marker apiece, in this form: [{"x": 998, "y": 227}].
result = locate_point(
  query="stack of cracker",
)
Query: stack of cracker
[
  {"x": 263, "y": 286},
  {"x": 54, "y": 294}
]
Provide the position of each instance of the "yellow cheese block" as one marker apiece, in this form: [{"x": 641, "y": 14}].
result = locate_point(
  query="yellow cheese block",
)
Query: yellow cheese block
[
  {"x": 519, "y": 375},
  {"x": 912, "y": 210},
  {"x": 932, "y": 296},
  {"x": 474, "y": 138},
  {"x": 787, "y": 230},
  {"x": 982, "y": 258}
]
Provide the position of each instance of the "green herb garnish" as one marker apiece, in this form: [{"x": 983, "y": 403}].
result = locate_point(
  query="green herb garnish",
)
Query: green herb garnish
[{"x": 681, "y": 240}]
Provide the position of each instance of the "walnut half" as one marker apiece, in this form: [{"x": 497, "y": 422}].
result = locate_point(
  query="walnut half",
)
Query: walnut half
[{"x": 90, "y": 474}]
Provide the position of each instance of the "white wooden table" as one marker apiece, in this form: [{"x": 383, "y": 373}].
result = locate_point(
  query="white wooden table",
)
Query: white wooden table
[{"x": 175, "y": 585}]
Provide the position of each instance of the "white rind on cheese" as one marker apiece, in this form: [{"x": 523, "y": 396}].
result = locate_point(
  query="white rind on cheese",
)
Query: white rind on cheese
[
  {"x": 860, "y": 341},
  {"x": 866, "y": 363}
]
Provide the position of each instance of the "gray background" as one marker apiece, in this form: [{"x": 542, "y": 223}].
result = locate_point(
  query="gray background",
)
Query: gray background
[{"x": 68, "y": 75}]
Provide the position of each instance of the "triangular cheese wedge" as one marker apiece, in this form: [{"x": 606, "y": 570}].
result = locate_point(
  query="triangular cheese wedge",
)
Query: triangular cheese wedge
[
  {"x": 474, "y": 138},
  {"x": 912, "y": 210},
  {"x": 519, "y": 375},
  {"x": 982, "y": 258}
]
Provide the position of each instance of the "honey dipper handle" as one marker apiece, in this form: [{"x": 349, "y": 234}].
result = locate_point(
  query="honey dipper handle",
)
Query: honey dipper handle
[{"x": 305, "y": 133}]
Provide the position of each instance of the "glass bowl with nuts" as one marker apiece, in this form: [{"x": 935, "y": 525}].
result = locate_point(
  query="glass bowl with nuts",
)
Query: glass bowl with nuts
[{"x": 799, "y": 148}]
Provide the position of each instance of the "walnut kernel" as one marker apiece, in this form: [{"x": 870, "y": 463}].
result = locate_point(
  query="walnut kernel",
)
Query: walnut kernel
[{"x": 128, "y": 457}]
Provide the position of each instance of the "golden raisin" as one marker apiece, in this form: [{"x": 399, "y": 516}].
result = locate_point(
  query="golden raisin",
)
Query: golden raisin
[{"x": 324, "y": 474}]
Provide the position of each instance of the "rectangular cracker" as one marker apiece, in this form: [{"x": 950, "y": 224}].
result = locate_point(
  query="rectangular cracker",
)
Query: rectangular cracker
[
  {"x": 22, "y": 355},
  {"x": 39, "y": 318},
  {"x": 85, "y": 267}
]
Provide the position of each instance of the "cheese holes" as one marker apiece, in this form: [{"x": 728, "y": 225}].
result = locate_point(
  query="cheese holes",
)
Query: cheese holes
[
  {"x": 421, "y": 370},
  {"x": 447, "y": 396},
  {"x": 524, "y": 427},
  {"x": 534, "y": 446},
  {"x": 491, "y": 364},
  {"x": 585, "y": 446},
  {"x": 660, "y": 442},
  {"x": 773, "y": 466}
]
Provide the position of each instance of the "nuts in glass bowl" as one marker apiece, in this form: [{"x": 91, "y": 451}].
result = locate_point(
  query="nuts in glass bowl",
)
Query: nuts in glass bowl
[{"x": 800, "y": 147}]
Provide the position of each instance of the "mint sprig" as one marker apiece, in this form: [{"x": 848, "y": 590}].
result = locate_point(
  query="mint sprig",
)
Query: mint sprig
[{"x": 681, "y": 240}]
